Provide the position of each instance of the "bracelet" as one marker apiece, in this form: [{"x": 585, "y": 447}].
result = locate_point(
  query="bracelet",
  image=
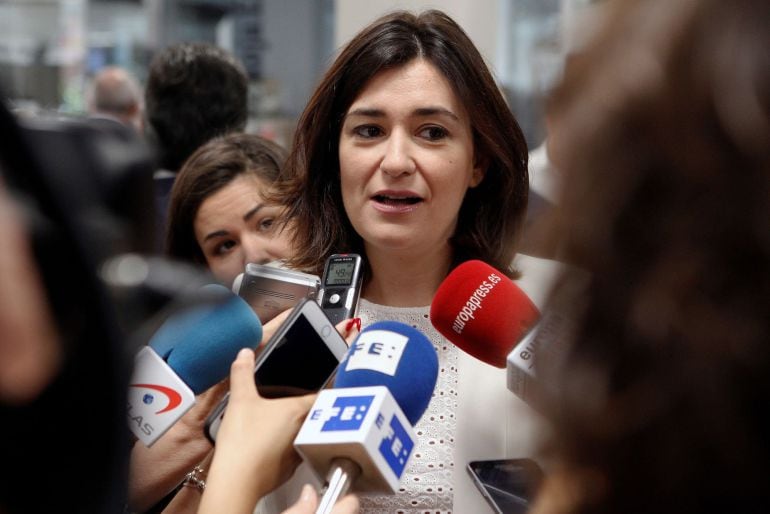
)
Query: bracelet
[{"x": 192, "y": 479}]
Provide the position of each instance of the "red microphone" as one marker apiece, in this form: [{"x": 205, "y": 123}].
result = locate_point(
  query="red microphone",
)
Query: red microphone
[{"x": 482, "y": 312}]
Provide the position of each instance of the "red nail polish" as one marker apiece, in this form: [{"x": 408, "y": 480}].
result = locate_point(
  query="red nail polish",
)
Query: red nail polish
[{"x": 351, "y": 322}]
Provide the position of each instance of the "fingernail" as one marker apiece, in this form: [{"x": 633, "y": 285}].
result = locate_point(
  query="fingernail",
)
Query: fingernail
[
  {"x": 351, "y": 322},
  {"x": 243, "y": 353}
]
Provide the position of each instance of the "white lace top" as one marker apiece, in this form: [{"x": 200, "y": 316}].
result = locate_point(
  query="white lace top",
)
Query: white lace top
[{"x": 426, "y": 486}]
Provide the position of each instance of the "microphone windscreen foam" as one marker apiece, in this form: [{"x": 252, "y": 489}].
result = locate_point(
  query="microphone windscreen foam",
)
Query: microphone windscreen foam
[
  {"x": 482, "y": 312},
  {"x": 200, "y": 344},
  {"x": 395, "y": 355}
]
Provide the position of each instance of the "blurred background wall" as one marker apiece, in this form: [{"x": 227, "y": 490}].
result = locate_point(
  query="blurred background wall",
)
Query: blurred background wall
[{"x": 50, "y": 49}]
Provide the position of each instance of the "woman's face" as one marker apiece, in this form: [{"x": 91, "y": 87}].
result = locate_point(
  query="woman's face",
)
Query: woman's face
[
  {"x": 234, "y": 226},
  {"x": 406, "y": 160}
]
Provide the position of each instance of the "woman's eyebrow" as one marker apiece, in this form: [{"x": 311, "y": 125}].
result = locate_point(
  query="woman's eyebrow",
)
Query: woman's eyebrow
[
  {"x": 253, "y": 211},
  {"x": 432, "y": 111},
  {"x": 216, "y": 233},
  {"x": 366, "y": 111},
  {"x": 420, "y": 111}
]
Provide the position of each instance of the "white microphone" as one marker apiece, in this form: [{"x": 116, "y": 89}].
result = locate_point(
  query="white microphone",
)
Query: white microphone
[{"x": 543, "y": 350}]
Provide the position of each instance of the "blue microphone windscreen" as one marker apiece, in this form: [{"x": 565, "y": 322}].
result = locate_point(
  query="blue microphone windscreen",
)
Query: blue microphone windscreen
[
  {"x": 397, "y": 356},
  {"x": 201, "y": 343}
]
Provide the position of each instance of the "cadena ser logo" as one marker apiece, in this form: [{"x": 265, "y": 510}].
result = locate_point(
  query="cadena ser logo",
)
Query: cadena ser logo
[{"x": 172, "y": 396}]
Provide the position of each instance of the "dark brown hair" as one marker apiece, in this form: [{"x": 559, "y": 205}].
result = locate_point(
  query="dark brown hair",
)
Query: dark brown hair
[
  {"x": 491, "y": 213},
  {"x": 208, "y": 170},
  {"x": 194, "y": 92},
  {"x": 664, "y": 127}
]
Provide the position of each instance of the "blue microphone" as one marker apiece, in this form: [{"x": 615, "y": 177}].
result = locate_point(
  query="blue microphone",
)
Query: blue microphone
[
  {"x": 201, "y": 343},
  {"x": 397, "y": 356},
  {"x": 361, "y": 430},
  {"x": 192, "y": 351}
]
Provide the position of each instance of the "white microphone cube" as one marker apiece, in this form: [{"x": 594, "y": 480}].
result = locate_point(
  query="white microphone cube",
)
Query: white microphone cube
[
  {"x": 157, "y": 397},
  {"x": 521, "y": 366},
  {"x": 363, "y": 424}
]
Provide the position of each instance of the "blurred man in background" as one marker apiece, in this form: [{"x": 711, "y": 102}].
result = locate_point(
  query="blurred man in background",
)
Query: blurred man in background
[
  {"x": 195, "y": 92},
  {"x": 116, "y": 94}
]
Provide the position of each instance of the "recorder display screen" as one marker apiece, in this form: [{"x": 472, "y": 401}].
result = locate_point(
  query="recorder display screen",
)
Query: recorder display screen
[
  {"x": 340, "y": 273},
  {"x": 300, "y": 363}
]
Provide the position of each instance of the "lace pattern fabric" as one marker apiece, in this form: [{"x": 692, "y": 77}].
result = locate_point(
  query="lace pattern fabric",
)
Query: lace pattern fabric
[{"x": 426, "y": 486}]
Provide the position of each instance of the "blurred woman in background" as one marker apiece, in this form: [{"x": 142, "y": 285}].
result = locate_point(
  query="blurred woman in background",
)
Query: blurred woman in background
[
  {"x": 217, "y": 218},
  {"x": 218, "y": 215}
]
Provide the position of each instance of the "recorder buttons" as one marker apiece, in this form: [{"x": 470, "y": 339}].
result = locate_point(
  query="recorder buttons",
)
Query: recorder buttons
[{"x": 334, "y": 299}]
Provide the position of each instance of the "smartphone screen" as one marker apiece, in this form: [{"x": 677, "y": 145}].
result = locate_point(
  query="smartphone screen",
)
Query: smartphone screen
[
  {"x": 299, "y": 363},
  {"x": 508, "y": 485},
  {"x": 300, "y": 358}
]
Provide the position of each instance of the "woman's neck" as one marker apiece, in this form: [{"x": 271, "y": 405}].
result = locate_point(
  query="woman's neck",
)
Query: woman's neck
[{"x": 400, "y": 280}]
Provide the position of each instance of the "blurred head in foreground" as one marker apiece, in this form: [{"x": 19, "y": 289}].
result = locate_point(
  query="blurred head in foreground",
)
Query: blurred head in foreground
[{"x": 663, "y": 126}]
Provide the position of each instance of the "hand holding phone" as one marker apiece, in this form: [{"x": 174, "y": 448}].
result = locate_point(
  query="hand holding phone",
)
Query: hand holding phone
[
  {"x": 298, "y": 359},
  {"x": 256, "y": 439}
]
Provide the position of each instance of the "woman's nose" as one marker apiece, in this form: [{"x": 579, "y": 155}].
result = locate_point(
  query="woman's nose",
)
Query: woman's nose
[
  {"x": 255, "y": 250},
  {"x": 397, "y": 159}
]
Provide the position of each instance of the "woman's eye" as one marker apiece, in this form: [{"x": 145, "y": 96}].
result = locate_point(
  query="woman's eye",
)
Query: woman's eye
[
  {"x": 368, "y": 131},
  {"x": 433, "y": 133},
  {"x": 266, "y": 225},
  {"x": 224, "y": 247}
]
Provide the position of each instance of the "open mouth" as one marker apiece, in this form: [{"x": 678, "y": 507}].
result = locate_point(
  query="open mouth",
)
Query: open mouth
[{"x": 397, "y": 200}]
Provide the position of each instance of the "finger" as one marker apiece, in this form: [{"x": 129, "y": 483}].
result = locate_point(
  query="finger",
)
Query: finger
[
  {"x": 347, "y": 505},
  {"x": 242, "y": 375},
  {"x": 269, "y": 328},
  {"x": 349, "y": 329},
  {"x": 307, "y": 502},
  {"x": 307, "y": 401}
]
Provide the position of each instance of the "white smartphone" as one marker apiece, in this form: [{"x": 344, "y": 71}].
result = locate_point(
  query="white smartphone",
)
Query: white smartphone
[{"x": 300, "y": 358}]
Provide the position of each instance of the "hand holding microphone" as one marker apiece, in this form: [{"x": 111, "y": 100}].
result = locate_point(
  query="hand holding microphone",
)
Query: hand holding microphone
[
  {"x": 361, "y": 431},
  {"x": 188, "y": 354}
]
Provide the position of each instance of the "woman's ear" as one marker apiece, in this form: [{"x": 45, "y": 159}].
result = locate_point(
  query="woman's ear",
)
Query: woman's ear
[{"x": 479, "y": 170}]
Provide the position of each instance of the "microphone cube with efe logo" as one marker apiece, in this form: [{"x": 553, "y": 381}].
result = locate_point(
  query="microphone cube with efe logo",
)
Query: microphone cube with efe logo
[{"x": 363, "y": 424}]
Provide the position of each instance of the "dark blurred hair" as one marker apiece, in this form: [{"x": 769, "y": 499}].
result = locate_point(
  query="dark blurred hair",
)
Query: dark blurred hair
[
  {"x": 63, "y": 174},
  {"x": 208, "y": 170},
  {"x": 195, "y": 91},
  {"x": 664, "y": 128},
  {"x": 491, "y": 213}
]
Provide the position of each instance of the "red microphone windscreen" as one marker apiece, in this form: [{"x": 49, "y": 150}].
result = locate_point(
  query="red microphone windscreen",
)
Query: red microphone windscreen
[{"x": 482, "y": 312}]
